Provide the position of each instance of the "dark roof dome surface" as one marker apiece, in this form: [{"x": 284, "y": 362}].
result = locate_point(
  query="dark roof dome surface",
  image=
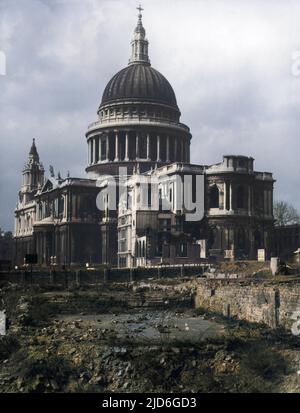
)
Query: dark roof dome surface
[{"x": 139, "y": 81}]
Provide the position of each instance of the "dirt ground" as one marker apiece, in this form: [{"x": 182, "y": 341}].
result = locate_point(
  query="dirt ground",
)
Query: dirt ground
[{"x": 138, "y": 349}]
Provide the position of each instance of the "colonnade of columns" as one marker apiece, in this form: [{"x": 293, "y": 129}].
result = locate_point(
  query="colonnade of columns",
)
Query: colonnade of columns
[
  {"x": 125, "y": 146},
  {"x": 230, "y": 193},
  {"x": 228, "y": 189},
  {"x": 24, "y": 223}
]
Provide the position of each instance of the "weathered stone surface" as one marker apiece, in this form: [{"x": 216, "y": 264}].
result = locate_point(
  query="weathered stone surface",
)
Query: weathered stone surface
[{"x": 270, "y": 303}]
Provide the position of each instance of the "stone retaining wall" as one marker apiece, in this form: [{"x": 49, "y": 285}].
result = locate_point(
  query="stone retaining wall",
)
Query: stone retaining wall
[{"x": 270, "y": 303}]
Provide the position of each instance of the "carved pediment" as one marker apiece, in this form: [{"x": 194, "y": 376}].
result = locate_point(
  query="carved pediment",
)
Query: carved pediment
[{"x": 48, "y": 186}]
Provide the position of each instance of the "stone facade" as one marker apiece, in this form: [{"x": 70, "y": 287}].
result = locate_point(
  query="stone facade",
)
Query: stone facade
[
  {"x": 56, "y": 219},
  {"x": 239, "y": 205},
  {"x": 152, "y": 221},
  {"x": 237, "y": 215}
]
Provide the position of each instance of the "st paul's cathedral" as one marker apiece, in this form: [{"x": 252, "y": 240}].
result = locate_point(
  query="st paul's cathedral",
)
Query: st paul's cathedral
[{"x": 138, "y": 127}]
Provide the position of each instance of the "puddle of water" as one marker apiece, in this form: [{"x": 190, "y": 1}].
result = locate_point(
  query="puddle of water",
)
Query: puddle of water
[{"x": 155, "y": 326}]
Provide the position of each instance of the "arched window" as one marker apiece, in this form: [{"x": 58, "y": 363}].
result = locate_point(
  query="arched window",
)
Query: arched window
[
  {"x": 240, "y": 197},
  {"x": 214, "y": 199}
]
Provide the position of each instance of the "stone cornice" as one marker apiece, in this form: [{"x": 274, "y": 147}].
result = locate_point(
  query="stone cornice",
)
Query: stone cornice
[{"x": 100, "y": 126}]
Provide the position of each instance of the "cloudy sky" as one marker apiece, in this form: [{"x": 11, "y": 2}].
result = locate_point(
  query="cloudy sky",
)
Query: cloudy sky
[{"x": 233, "y": 66}]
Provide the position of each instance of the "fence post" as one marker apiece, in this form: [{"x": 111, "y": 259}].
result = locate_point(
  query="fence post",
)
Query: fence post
[
  {"x": 105, "y": 275},
  {"x": 182, "y": 270},
  {"x": 51, "y": 276},
  {"x": 23, "y": 277},
  {"x": 66, "y": 281},
  {"x": 131, "y": 274},
  {"x": 78, "y": 278}
]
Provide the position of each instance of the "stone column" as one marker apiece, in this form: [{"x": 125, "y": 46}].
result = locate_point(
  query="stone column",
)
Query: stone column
[
  {"x": 249, "y": 200},
  {"x": 230, "y": 197},
  {"x": 265, "y": 202},
  {"x": 127, "y": 147},
  {"x": 175, "y": 150},
  {"x": 168, "y": 149},
  {"x": 272, "y": 201},
  {"x": 225, "y": 197},
  {"x": 66, "y": 206},
  {"x": 189, "y": 151},
  {"x": 94, "y": 150},
  {"x": 148, "y": 146},
  {"x": 89, "y": 152},
  {"x": 231, "y": 239},
  {"x": 107, "y": 148},
  {"x": 186, "y": 151},
  {"x": 181, "y": 150},
  {"x": 117, "y": 147},
  {"x": 158, "y": 149},
  {"x": 100, "y": 149},
  {"x": 137, "y": 147}
]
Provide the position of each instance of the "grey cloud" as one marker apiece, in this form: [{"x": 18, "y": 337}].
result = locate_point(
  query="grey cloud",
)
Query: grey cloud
[{"x": 228, "y": 61}]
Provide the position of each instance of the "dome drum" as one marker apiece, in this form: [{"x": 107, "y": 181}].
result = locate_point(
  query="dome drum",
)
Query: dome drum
[
  {"x": 154, "y": 146},
  {"x": 136, "y": 109}
]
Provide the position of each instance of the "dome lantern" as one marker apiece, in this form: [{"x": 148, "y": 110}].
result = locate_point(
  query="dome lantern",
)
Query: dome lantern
[{"x": 139, "y": 43}]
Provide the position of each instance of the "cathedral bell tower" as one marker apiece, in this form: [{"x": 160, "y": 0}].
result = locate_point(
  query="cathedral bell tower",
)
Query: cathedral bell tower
[{"x": 32, "y": 175}]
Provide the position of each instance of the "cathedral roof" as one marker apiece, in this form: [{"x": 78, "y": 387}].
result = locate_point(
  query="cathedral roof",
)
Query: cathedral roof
[{"x": 139, "y": 81}]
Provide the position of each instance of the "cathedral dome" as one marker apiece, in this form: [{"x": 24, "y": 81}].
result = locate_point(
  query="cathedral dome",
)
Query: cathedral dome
[
  {"x": 138, "y": 118},
  {"x": 139, "y": 82}
]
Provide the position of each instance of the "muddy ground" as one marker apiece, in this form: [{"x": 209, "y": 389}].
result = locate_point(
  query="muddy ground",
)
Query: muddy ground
[{"x": 82, "y": 341}]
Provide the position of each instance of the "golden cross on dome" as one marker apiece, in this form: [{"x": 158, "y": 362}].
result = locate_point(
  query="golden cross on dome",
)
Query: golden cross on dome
[{"x": 140, "y": 9}]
